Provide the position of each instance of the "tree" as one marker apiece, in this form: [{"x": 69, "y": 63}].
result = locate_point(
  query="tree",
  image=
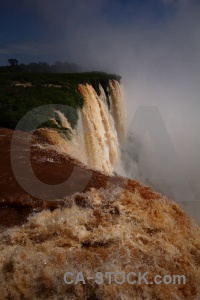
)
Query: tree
[{"x": 13, "y": 62}]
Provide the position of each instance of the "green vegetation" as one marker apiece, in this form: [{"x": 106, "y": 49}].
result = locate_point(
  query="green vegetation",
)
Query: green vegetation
[
  {"x": 56, "y": 123},
  {"x": 40, "y": 67},
  {"x": 21, "y": 92}
]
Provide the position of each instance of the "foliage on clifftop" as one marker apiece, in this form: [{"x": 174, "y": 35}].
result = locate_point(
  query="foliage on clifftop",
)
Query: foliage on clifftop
[{"x": 21, "y": 92}]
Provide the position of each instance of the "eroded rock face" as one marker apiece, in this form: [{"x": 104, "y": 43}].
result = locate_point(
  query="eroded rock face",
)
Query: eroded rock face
[
  {"x": 51, "y": 166},
  {"x": 113, "y": 225}
]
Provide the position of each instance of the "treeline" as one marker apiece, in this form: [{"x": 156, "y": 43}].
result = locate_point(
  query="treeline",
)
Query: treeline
[{"x": 41, "y": 67}]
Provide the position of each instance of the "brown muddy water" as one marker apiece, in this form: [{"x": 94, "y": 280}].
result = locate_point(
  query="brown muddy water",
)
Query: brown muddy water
[{"x": 50, "y": 167}]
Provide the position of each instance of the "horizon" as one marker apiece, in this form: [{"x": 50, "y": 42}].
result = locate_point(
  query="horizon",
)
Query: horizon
[{"x": 57, "y": 31}]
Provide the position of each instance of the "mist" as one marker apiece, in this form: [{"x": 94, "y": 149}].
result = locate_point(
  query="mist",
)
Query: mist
[
  {"x": 167, "y": 77},
  {"x": 155, "y": 47},
  {"x": 159, "y": 62}
]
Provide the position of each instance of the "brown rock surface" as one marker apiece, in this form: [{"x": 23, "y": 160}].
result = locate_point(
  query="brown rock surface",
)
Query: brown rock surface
[{"x": 112, "y": 225}]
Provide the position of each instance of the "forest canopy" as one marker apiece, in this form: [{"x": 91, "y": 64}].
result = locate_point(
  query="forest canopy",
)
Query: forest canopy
[{"x": 21, "y": 92}]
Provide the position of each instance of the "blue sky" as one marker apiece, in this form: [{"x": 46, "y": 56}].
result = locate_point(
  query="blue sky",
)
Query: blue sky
[{"x": 38, "y": 31}]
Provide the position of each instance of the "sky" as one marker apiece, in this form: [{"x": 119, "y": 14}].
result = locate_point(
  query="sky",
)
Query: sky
[
  {"x": 72, "y": 30},
  {"x": 153, "y": 44}
]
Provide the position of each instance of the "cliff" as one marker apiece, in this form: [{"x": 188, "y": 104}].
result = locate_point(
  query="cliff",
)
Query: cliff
[
  {"x": 113, "y": 225},
  {"x": 61, "y": 210},
  {"x": 85, "y": 111}
]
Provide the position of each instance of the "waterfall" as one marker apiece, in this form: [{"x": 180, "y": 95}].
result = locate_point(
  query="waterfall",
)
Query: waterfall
[
  {"x": 99, "y": 130},
  {"x": 103, "y": 129},
  {"x": 117, "y": 107}
]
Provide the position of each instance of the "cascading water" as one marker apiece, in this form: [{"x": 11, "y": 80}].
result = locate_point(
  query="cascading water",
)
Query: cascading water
[
  {"x": 99, "y": 130},
  {"x": 117, "y": 108},
  {"x": 101, "y": 125}
]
